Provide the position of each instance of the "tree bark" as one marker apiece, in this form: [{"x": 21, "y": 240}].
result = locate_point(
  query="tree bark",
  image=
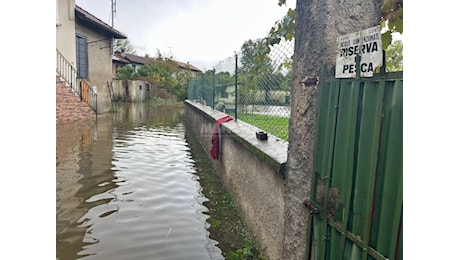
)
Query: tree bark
[{"x": 317, "y": 26}]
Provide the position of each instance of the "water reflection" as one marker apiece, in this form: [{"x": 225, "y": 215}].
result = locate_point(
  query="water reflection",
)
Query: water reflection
[{"x": 126, "y": 189}]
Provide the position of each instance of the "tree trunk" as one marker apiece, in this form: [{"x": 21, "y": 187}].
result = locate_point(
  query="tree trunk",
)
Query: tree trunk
[{"x": 317, "y": 26}]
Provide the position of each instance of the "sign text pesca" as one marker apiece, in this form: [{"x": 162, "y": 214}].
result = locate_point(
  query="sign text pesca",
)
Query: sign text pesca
[{"x": 367, "y": 44}]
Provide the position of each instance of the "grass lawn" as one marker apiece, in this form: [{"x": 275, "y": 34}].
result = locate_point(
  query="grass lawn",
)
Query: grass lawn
[{"x": 275, "y": 125}]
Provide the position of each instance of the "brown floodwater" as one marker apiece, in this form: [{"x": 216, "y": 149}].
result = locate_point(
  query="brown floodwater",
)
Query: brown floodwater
[{"x": 126, "y": 188}]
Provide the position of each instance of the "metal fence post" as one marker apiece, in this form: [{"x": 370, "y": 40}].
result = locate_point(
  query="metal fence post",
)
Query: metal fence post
[
  {"x": 358, "y": 65},
  {"x": 213, "y": 86},
  {"x": 265, "y": 83},
  {"x": 202, "y": 89},
  {"x": 236, "y": 87}
]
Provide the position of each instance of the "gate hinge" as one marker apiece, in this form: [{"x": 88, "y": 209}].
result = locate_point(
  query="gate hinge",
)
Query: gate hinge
[{"x": 310, "y": 207}]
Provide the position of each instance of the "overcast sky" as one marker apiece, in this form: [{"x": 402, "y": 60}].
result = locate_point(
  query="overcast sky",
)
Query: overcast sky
[{"x": 202, "y": 32}]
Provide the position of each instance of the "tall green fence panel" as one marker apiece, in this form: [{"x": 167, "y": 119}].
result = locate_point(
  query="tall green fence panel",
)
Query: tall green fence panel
[{"x": 357, "y": 180}]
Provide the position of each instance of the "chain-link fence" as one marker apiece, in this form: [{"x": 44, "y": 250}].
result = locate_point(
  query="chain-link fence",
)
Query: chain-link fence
[{"x": 253, "y": 86}]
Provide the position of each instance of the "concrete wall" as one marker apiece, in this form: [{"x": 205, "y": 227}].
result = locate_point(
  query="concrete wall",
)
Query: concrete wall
[
  {"x": 133, "y": 90},
  {"x": 252, "y": 170},
  {"x": 99, "y": 64}
]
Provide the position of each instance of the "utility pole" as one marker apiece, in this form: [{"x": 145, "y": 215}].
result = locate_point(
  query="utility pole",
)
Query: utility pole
[{"x": 114, "y": 11}]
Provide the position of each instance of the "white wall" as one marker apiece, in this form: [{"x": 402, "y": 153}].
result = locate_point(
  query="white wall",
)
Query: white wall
[{"x": 65, "y": 29}]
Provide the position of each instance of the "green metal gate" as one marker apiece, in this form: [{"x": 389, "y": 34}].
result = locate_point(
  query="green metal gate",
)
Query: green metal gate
[{"x": 357, "y": 186}]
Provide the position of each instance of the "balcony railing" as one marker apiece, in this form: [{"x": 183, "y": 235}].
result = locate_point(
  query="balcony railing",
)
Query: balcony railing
[{"x": 67, "y": 72}]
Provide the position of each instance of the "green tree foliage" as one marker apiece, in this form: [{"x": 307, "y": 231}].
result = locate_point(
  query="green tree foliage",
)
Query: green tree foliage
[
  {"x": 207, "y": 82},
  {"x": 392, "y": 16},
  {"x": 162, "y": 73},
  {"x": 126, "y": 72},
  {"x": 258, "y": 74},
  {"x": 182, "y": 78},
  {"x": 208, "y": 77},
  {"x": 394, "y": 56},
  {"x": 255, "y": 58},
  {"x": 156, "y": 73},
  {"x": 283, "y": 29},
  {"x": 224, "y": 78}
]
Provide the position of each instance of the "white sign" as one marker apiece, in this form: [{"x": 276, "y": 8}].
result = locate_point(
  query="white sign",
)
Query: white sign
[{"x": 366, "y": 43}]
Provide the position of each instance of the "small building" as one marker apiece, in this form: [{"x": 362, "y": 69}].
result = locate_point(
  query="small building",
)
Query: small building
[
  {"x": 118, "y": 61},
  {"x": 187, "y": 65},
  {"x": 86, "y": 43}
]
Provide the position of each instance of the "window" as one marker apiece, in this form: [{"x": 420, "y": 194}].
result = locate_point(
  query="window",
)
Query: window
[{"x": 82, "y": 57}]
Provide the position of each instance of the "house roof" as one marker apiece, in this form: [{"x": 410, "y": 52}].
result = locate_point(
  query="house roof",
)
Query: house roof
[
  {"x": 136, "y": 59},
  {"x": 131, "y": 58},
  {"x": 187, "y": 66},
  {"x": 116, "y": 56},
  {"x": 91, "y": 20}
]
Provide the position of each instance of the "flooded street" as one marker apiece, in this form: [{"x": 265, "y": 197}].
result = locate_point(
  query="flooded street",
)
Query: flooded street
[{"x": 126, "y": 188}]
